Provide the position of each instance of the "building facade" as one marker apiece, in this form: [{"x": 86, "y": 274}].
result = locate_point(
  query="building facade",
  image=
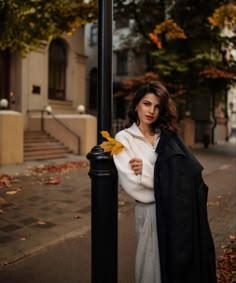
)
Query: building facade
[
  {"x": 54, "y": 72},
  {"x": 54, "y": 76},
  {"x": 209, "y": 123},
  {"x": 126, "y": 63}
]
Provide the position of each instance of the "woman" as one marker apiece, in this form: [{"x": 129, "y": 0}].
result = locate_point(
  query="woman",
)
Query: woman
[{"x": 174, "y": 243}]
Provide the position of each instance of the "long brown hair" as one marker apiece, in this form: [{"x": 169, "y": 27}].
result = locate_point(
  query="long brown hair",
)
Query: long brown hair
[{"x": 167, "y": 120}]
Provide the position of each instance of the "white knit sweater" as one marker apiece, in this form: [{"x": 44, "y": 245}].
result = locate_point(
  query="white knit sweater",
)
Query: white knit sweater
[{"x": 140, "y": 187}]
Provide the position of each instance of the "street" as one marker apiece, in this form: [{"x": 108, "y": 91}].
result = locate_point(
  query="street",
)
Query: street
[{"x": 68, "y": 261}]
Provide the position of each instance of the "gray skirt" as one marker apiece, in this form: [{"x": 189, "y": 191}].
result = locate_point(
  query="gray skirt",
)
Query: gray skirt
[{"x": 147, "y": 264}]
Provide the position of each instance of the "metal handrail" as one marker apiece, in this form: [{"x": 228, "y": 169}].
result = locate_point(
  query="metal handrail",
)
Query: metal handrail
[{"x": 42, "y": 111}]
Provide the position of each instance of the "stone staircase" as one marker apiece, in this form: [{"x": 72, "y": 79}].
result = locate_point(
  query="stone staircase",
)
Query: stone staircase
[
  {"x": 62, "y": 107},
  {"x": 40, "y": 145}
]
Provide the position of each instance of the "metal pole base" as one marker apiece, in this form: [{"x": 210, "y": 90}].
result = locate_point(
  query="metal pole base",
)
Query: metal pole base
[{"x": 104, "y": 216}]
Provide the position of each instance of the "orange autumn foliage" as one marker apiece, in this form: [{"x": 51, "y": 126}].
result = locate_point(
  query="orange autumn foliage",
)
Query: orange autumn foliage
[
  {"x": 223, "y": 16},
  {"x": 155, "y": 39},
  {"x": 215, "y": 73},
  {"x": 170, "y": 28}
]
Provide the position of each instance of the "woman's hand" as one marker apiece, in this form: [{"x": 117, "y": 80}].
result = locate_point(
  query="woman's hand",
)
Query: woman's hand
[{"x": 136, "y": 165}]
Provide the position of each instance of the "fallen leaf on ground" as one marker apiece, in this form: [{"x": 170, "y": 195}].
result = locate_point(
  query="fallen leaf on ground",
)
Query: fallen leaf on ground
[
  {"x": 77, "y": 216},
  {"x": 23, "y": 238},
  {"x": 41, "y": 222},
  {"x": 6, "y": 181},
  {"x": 3, "y": 201},
  {"x": 11, "y": 192},
  {"x": 18, "y": 189},
  {"x": 226, "y": 264},
  {"x": 1, "y": 211},
  {"x": 84, "y": 164},
  {"x": 211, "y": 203},
  {"x": 232, "y": 237},
  {"x": 53, "y": 180},
  {"x": 58, "y": 168}
]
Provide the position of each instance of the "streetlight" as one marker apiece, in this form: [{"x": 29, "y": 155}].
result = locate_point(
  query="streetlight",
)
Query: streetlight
[
  {"x": 102, "y": 169},
  {"x": 81, "y": 109},
  {"x": 48, "y": 109},
  {"x": 3, "y": 103}
]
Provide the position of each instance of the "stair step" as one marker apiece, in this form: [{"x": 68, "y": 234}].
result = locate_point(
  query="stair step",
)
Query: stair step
[
  {"x": 39, "y": 133},
  {"x": 34, "y": 135},
  {"x": 44, "y": 145},
  {"x": 62, "y": 107},
  {"x": 46, "y": 149},
  {"x": 40, "y": 145},
  {"x": 39, "y": 140},
  {"x": 60, "y": 102}
]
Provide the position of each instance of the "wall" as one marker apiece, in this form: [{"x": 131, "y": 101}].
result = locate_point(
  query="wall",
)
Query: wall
[
  {"x": 34, "y": 74},
  {"x": 187, "y": 132},
  {"x": 32, "y": 70},
  {"x": 76, "y": 72},
  {"x": 11, "y": 137}
]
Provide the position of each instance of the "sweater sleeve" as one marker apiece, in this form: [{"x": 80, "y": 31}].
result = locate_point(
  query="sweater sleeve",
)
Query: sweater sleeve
[
  {"x": 147, "y": 177},
  {"x": 131, "y": 183}
]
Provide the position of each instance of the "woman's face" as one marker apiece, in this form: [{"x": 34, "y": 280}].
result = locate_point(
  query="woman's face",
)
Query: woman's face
[{"x": 148, "y": 109}]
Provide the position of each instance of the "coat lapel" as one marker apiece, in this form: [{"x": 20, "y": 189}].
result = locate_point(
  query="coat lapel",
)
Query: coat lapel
[{"x": 171, "y": 145}]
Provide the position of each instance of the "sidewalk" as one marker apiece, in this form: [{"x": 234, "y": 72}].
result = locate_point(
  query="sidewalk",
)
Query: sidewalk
[
  {"x": 50, "y": 202},
  {"x": 46, "y": 202}
]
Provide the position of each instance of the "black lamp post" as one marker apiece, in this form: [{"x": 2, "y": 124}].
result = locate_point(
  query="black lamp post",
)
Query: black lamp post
[
  {"x": 105, "y": 22},
  {"x": 102, "y": 170}
]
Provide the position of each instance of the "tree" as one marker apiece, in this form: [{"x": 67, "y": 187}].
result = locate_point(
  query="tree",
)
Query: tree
[
  {"x": 154, "y": 22},
  {"x": 145, "y": 14},
  {"x": 224, "y": 16},
  {"x": 25, "y": 24},
  {"x": 184, "y": 61}
]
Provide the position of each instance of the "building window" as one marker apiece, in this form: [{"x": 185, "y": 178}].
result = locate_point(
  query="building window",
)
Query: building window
[
  {"x": 122, "y": 63},
  {"x": 93, "y": 89},
  {"x": 57, "y": 69},
  {"x": 93, "y": 35},
  {"x": 4, "y": 74}
]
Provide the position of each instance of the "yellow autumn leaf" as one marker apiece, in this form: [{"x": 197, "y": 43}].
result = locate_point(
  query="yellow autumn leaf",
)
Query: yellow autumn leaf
[
  {"x": 105, "y": 134},
  {"x": 117, "y": 148},
  {"x": 106, "y": 145},
  {"x": 111, "y": 145}
]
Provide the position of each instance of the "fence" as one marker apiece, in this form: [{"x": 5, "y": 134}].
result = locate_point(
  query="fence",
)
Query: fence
[{"x": 118, "y": 125}]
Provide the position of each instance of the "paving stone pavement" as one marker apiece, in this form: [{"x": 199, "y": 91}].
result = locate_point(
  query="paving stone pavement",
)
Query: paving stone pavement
[{"x": 39, "y": 213}]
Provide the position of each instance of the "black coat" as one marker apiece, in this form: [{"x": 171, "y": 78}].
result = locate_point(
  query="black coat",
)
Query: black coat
[{"x": 187, "y": 253}]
